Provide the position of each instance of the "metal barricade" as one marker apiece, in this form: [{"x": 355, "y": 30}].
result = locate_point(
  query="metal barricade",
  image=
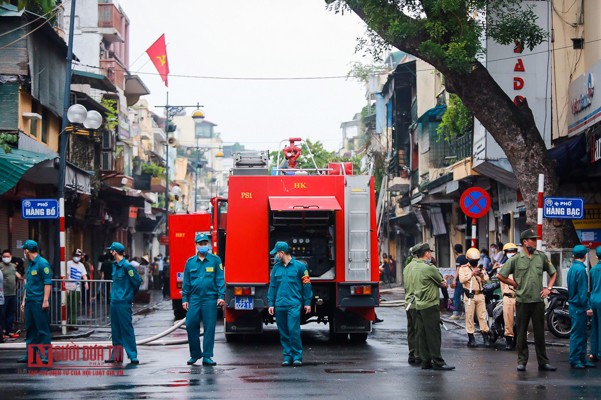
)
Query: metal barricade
[{"x": 87, "y": 302}]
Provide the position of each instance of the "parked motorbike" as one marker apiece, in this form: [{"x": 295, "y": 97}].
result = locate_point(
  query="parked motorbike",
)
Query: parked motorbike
[
  {"x": 494, "y": 307},
  {"x": 557, "y": 313}
]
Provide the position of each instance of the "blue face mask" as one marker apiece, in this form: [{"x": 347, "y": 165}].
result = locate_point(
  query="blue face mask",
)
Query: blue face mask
[{"x": 203, "y": 250}]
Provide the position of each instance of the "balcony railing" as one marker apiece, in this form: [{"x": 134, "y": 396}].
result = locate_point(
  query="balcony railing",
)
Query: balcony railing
[
  {"x": 114, "y": 71},
  {"x": 443, "y": 153}
]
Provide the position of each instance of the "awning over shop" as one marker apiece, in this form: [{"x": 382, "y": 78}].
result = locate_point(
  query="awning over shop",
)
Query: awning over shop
[
  {"x": 433, "y": 114},
  {"x": 96, "y": 81},
  {"x": 15, "y": 164},
  {"x": 303, "y": 203},
  {"x": 46, "y": 172}
]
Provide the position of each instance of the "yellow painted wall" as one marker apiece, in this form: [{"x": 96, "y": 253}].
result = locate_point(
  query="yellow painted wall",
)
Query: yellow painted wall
[{"x": 25, "y": 105}]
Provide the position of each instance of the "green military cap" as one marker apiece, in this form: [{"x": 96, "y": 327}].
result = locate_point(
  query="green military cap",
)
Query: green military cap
[
  {"x": 424, "y": 247},
  {"x": 528, "y": 234}
]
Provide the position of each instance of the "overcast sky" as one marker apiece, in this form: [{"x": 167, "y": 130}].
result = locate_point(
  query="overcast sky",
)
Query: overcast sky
[{"x": 259, "y": 39}]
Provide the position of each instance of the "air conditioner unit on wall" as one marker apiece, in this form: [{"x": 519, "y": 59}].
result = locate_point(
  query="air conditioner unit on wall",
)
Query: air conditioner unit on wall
[{"x": 106, "y": 161}]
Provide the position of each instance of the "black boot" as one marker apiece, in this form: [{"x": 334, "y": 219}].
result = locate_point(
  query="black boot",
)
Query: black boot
[
  {"x": 471, "y": 340},
  {"x": 485, "y": 338},
  {"x": 509, "y": 343}
]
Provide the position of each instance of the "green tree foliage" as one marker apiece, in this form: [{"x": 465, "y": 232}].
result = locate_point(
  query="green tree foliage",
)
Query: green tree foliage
[
  {"x": 111, "y": 120},
  {"x": 153, "y": 169},
  {"x": 455, "y": 121},
  {"x": 40, "y": 7},
  {"x": 7, "y": 140},
  {"x": 448, "y": 34}
]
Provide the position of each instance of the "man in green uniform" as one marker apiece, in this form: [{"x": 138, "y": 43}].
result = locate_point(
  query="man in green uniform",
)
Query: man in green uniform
[
  {"x": 527, "y": 268},
  {"x": 595, "y": 300},
  {"x": 412, "y": 338},
  {"x": 203, "y": 291},
  {"x": 426, "y": 281},
  {"x": 126, "y": 283},
  {"x": 289, "y": 291},
  {"x": 36, "y": 302}
]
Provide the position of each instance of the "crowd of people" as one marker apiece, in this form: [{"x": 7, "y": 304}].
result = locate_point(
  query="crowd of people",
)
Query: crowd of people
[{"x": 519, "y": 268}]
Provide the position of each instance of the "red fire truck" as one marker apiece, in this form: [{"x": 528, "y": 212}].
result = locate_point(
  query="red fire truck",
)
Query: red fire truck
[
  {"x": 182, "y": 230},
  {"x": 328, "y": 218}
]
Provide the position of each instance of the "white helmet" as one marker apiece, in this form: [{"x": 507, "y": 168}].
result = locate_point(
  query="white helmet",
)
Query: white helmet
[{"x": 473, "y": 254}]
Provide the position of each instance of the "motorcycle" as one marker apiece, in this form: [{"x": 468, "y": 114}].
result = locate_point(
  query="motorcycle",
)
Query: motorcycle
[
  {"x": 494, "y": 308},
  {"x": 557, "y": 313}
]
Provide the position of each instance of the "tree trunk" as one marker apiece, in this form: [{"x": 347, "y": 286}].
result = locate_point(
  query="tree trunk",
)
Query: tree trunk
[{"x": 515, "y": 131}]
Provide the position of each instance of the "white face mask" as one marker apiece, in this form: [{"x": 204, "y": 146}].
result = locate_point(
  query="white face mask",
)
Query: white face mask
[
  {"x": 76, "y": 259},
  {"x": 509, "y": 255},
  {"x": 6, "y": 260}
]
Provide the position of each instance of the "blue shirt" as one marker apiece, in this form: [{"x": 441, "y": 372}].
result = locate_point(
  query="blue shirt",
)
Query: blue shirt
[
  {"x": 39, "y": 274},
  {"x": 578, "y": 286},
  {"x": 596, "y": 286},
  {"x": 126, "y": 282},
  {"x": 203, "y": 279},
  {"x": 289, "y": 285}
]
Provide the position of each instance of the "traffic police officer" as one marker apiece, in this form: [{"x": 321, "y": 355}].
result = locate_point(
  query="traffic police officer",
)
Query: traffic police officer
[
  {"x": 426, "y": 281},
  {"x": 126, "y": 283},
  {"x": 527, "y": 268},
  {"x": 289, "y": 291},
  {"x": 203, "y": 291},
  {"x": 472, "y": 275},
  {"x": 510, "y": 250},
  {"x": 38, "y": 285},
  {"x": 596, "y": 306},
  {"x": 579, "y": 308}
]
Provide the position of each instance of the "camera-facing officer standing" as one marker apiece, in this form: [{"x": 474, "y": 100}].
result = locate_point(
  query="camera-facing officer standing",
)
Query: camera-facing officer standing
[
  {"x": 527, "y": 268},
  {"x": 472, "y": 276},
  {"x": 203, "y": 291}
]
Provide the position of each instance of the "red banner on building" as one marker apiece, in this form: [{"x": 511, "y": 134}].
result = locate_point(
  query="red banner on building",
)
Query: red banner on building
[{"x": 158, "y": 55}]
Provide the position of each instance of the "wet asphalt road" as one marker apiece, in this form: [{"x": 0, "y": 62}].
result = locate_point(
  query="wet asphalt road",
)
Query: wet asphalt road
[{"x": 251, "y": 370}]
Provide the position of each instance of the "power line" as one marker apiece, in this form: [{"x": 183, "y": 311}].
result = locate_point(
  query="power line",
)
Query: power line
[{"x": 54, "y": 10}]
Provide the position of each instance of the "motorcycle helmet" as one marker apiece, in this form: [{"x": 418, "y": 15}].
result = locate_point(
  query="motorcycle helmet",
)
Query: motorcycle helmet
[
  {"x": 473, "y": 256},
  {"x": 510, "y": 246}
]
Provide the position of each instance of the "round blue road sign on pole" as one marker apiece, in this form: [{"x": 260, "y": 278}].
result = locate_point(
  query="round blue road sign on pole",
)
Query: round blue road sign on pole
[{"x": 475, "y": 202}]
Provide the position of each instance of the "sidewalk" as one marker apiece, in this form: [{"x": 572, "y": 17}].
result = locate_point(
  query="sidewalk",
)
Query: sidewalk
[{"x": 139, "y": 310}]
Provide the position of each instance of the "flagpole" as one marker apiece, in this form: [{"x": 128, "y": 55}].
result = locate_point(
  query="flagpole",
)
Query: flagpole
[{"x": 167, "y": 173}]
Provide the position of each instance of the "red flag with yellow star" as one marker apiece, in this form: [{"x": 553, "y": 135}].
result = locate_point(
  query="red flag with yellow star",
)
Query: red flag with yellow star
[{"x": 158, "y": 55}]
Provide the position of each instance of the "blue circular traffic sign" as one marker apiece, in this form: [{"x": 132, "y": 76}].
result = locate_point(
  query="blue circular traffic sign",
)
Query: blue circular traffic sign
[{"x": 475, "y": 202}]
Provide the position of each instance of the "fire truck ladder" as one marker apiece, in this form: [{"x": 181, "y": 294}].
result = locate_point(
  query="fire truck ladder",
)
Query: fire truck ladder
[{"x": 357, "y": 203}]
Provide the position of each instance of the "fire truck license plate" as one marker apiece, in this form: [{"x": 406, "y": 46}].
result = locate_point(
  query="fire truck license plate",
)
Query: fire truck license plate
[{"x": 244, "y": 303}]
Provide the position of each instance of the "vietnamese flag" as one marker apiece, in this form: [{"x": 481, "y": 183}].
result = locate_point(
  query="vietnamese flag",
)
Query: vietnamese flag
[{"x": 158, "y": 55}]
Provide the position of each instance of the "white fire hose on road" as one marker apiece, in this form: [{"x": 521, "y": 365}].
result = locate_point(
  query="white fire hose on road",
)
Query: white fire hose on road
[{"x": 151, "y": 341}]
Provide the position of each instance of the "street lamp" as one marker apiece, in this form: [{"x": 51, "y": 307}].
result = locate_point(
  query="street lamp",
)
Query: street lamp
[
  {"x": 170, "y": 112},
  {"x": 77, "y": 115}
]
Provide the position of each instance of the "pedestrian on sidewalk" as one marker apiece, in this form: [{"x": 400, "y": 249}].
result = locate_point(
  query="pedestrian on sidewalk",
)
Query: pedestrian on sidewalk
[
  {"x": 580, "y": 309},
  {"x": 595, "y": 301},
  {"x": 427, "y": 282},
  {"x": 126, "y": 283},
  {"x": 458, "y": 288},
  {"x": 203, "y": 290},
  {"x": 509, "y": 250},
  {"x": 473, "y": 276},
  {"x": 9, "y": 271},
  {"x": 527, "y": 268},
  {"x": 76, "y": 272},
  {"x": 289, "y": 292},
  {"x": 36, "y": 303}
]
